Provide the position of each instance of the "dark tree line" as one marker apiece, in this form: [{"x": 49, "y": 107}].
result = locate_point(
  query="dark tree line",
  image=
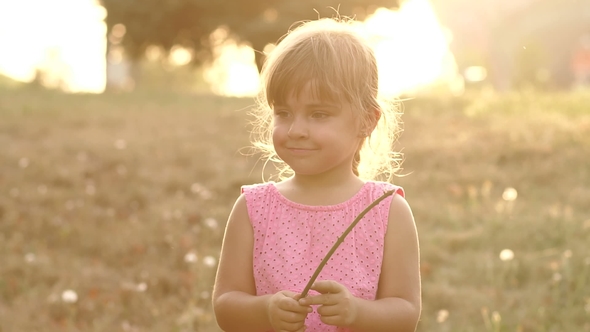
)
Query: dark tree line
[{"x": 189, "y": 23}]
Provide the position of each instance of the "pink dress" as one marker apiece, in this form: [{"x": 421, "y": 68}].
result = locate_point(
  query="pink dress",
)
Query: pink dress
[{"x": 291, "y": 239}]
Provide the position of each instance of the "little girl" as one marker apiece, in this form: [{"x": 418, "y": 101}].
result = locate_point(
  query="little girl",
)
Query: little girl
[{"x": 321, "y": 120}]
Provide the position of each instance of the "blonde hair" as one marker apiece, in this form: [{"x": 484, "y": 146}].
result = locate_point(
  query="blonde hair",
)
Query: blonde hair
[{"x": 340, "y": 65}]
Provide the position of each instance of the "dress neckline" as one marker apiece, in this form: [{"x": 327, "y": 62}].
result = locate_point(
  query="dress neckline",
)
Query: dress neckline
[{"x": 358, "y": 195}]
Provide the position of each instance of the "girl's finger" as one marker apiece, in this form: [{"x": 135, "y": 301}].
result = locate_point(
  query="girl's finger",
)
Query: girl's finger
[
  {"x": 328, "y": 310},
  {"x": 317, "y": 299},
  {"x": 331, "y": 320},
  {"x": 292, "y": 326},
  {"x": 289, "y": 304},
  {"x": 327, "y": 286}
]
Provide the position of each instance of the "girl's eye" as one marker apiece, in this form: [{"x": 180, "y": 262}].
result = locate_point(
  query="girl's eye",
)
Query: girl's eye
[
  {"x": 281, "y": 114},
  {"x": 319, "y": 115}
]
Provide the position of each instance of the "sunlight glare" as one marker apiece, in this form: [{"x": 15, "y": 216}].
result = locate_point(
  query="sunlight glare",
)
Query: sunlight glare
[
  {"x": 506, "y": 255},
  {"x": 69, "y": 48},
  {"x": 510, "y": 194},
  {"x": 442, "y": 316},
  {"x": 411, "y": 46},
  {"x": 180, "y": 56},
  {"x": 190, "y": 257},
  {"x": 475, "y": 73},
  {"x": 211, "y": 223},
  {"x": 141, "y": 287},
  {"x": 234, "y": 72},
  {"x": 117, "y": 33},
  {"x": 210, "y": 261},
  {"x": 69, "y": 296}
]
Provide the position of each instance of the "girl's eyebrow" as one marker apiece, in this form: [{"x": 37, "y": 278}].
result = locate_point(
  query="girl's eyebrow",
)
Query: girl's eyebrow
[
  {"x": 310, "y": 105},
  {"x": 321, "y": 104}
]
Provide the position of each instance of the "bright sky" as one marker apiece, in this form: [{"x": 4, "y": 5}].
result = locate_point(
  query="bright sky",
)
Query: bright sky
[
  {"x": 72, "y": 31},
  {"x": 411, "y": 47}
]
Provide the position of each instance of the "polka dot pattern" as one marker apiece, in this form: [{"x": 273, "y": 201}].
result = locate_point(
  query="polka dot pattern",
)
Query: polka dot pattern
[{"x": 291, "y": 239}]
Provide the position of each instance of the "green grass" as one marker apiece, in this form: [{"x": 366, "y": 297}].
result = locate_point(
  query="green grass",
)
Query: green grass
[{"x": 106, "y": 195}]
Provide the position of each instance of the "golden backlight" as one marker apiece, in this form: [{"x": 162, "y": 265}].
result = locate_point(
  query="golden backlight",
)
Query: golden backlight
[{"x": 66, "y": 40}]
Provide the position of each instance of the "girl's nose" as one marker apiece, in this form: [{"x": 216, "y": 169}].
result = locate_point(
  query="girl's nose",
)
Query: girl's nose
[{"x": 298, "y": 129}]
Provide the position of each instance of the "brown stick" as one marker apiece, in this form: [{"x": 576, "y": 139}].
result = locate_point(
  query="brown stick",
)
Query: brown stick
[{"x": 341, "y": 239}]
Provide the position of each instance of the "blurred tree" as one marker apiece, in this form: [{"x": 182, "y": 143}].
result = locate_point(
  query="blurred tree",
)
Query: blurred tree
[
  {"x": 274, "y": 21},
  {"x": 190, "y": 23}
]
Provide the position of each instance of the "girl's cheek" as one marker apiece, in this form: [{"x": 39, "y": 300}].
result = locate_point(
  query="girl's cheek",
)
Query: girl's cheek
[
  {"x": 279, "y": 130},
  {"x": 276, "y": 134}
]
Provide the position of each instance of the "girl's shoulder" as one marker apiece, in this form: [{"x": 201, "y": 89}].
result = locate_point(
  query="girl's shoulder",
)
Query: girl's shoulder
[
  {"x": 378, "y": 188},
  {"x": 256, "y": 193},
  {"x": 256, "y": 189}
]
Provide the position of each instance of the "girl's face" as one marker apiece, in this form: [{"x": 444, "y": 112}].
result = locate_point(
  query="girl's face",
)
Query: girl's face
[{"x": 314, "y": 136}]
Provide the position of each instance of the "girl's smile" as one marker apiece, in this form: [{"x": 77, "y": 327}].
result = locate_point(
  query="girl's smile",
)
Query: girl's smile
[{"x": 300, "y": 151}]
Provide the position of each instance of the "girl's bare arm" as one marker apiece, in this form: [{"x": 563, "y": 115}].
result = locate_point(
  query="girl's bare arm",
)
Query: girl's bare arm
[
  {"x": 234, "y": 302},
  {"x": 398, "y": 304},
  {"x": 236, "y": 305}
]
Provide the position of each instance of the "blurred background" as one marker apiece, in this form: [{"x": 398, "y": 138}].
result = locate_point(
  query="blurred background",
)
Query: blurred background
[
  {"x": 90, "y": 46},
  {"x": 124, "y": 143}
]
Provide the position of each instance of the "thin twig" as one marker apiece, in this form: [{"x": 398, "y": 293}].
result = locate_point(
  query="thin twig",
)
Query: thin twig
[{"x": 341, "y": 239}]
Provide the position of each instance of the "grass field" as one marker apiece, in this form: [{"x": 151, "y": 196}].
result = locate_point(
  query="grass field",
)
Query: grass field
[{"x": 112, "y": 209}]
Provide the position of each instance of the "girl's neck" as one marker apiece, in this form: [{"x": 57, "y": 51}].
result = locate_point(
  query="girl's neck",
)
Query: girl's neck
[
  {"x": 320, "y": 190},
  {"x": 324, "y": 182}
]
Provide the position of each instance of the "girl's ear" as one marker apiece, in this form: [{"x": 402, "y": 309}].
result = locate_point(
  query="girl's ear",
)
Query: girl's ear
[
  {"x": 374, "y": 119},
  {"x": 376, "y": 115}
]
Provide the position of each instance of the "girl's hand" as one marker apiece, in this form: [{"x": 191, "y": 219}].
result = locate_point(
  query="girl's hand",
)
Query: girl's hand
[
  {"x": 286, "y": 314},
  {"x": 337, "y": 305}
]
